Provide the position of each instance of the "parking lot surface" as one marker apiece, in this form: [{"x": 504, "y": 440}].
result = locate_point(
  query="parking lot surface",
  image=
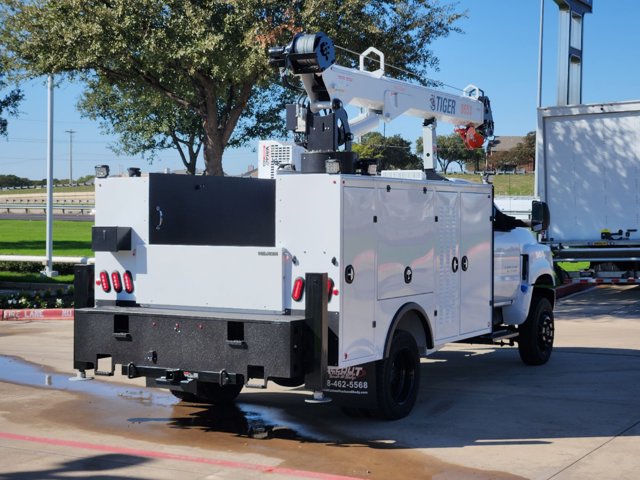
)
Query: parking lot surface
[{"x": 480, "y": 414}]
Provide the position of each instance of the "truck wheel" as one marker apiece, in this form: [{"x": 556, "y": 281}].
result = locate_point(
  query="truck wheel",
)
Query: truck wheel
[
  {"x": 535, "y": 339},
  {"x": 398, "y": 377},
  {"x": 217, "y": 394}
]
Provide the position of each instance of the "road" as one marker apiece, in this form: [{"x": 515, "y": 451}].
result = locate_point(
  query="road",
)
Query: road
[
  {"x": 480, "y": 414},
  {"x": 42, "y": 216}
]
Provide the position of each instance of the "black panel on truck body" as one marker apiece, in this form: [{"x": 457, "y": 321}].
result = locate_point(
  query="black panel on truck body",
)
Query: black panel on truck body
[{"x": 201, "y": 210}]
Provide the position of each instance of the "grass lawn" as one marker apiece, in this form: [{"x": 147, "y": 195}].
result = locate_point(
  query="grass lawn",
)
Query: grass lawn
[
  {"x": 23, "y": 277},
  {"x": 504, "y": 184},
  {"x": 28, "y": 237},
  {"x": 574, "y": 266}
]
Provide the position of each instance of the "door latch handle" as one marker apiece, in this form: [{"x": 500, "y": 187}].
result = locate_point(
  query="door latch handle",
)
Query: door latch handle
[{"x": 160, "y": 218}]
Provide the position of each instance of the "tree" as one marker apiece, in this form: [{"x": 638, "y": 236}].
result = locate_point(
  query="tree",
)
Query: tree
[
  {"x": 8, "y": 104},
  {"x": 145, "y": 121},
  {"x": 451, "y": 149},
  {"x": 13, "y": 181},
  {"x": 210, "y": 56},
  {"x": 525, "y": 152},
  {"x": 391, "y": 153}
]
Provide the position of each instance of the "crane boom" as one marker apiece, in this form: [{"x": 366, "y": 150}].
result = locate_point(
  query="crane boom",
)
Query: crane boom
[
  {"x": 328, "y": 86},
  {"x": 394, "y": 97}
]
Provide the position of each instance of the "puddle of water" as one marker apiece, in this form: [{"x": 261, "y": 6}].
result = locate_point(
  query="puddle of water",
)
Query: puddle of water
[
  {"x": 240, "y": 419},
  {"x": 13, "y": 370}
]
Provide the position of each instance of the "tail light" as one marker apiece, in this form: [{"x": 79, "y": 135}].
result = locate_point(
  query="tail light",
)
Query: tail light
[
  {"x": 329, "y": 289},
  {"x": 104, "y": 282},
  {"x": 298, "y": 289},
  {"x": 128, "y": 282},
  {"x": 116, "y": 281}
]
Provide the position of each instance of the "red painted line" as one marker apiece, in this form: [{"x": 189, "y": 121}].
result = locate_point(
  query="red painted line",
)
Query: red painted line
[
  {"x": 172, "y": 456},
  {"x": 37, "y": 314}
]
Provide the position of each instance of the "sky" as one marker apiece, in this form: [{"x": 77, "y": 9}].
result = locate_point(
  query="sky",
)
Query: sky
[{"x": 498, "y": 52}]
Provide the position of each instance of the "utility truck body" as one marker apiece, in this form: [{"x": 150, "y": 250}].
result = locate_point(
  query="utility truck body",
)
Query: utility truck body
[
  {"x": 332, "y": 277},
  {"x": 210, "y": 284}
]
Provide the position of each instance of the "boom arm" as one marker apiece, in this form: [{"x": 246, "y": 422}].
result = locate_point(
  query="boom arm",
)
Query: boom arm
[{"x": 328, "y": 86}]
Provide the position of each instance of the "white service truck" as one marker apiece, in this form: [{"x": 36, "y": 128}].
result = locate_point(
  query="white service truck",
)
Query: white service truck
[
  {"x": 332, "y": 276},
  {"x": 588, "y": 169}
]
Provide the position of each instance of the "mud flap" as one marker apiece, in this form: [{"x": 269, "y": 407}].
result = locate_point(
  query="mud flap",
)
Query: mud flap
[{"x": 353, "y": 386}]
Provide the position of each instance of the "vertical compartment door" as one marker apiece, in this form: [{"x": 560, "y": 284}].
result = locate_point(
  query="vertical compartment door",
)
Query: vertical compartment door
[
  {"x": 358, "y": 267},
  {"x": 447, "y": 320},
  {"x": 475, "y": 262}
]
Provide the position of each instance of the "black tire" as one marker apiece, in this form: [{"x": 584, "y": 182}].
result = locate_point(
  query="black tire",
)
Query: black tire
[
  {"x": 398, "y": 378},
  {"x": 217, "y": 394},
  {"x": 535, "y": 339}
]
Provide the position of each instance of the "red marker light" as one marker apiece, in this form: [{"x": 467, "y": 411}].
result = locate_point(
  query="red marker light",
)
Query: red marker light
[
  {"x": 298, "y": 289},
  {"x": 116, "y": 281},
  {"x": 128, "y": 282},
  {"x": 104, "y": 282}
]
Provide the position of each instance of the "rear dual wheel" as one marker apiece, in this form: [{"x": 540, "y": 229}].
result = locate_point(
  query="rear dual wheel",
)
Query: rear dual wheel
[{"x": 398, "y": 378}]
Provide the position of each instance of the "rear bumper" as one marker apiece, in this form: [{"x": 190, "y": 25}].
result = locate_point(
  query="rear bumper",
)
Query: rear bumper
[{"x": 179, "y": 346}]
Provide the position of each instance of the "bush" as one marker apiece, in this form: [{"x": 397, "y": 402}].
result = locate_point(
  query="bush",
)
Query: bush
[
  {"x": 37, "y": 300},
  {"x": 35, "y": 267}
]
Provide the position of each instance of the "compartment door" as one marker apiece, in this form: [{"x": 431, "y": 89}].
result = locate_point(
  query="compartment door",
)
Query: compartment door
[
  {"x": 358, "y": 266},
  {"x": 447, "y": 319},
  {"x": 475, "y": 262}
]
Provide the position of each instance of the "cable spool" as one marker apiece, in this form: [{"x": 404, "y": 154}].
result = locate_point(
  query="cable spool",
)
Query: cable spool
[{"x": 312, "y": 53}]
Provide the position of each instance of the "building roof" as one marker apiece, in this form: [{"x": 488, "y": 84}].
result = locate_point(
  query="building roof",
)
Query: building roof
[{"x": 504, "y": 143}]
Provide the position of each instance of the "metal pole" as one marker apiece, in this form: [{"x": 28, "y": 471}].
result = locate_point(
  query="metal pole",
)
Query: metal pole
[
  {"x": 540, "y": 53},
  {"x": 48, "y": 271},
  {"x": 70, "y": 132}
]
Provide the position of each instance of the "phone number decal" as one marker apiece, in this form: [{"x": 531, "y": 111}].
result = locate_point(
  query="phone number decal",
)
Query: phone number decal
[{"x": 348, "y": 384}]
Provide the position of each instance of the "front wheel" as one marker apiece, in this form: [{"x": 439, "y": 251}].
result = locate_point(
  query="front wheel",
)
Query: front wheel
[
  {"x": 398, "y": 377},
  {"x": 535, "y": 339}
]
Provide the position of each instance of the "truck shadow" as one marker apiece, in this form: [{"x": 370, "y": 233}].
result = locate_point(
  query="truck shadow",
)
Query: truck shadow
[{"x": 490, "y": 399}]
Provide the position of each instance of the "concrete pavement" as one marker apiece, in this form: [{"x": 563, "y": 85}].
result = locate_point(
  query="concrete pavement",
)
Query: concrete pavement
[{"x": 480, "y": 414}]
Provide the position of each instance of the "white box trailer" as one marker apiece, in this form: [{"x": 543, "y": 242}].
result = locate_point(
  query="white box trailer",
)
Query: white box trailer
[{"x": 588, "y": 169}]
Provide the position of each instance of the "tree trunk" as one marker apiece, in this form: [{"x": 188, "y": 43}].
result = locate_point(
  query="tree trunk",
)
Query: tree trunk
[
  {"x": 219, "y": 125},
  {"x": 213, "y": 149}
]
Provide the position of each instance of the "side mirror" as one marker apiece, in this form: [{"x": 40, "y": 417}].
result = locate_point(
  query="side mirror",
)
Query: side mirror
[{"x": 540, "y": 216}]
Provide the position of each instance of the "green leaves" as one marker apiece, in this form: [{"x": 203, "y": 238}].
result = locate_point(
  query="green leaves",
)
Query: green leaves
[
  {"x": 208, "y": 57},
  {"x": 8, "y": 104},
  {"x": 391, "y": 153}
]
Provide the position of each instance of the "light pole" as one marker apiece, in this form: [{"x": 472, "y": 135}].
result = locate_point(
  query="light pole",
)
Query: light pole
[
  {"x": 70, "y": 132},
  {"x": 48, "y": 270}
]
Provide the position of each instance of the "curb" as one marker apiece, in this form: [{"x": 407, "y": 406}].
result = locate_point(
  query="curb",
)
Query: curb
[{"x": 37, "y": 314}]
